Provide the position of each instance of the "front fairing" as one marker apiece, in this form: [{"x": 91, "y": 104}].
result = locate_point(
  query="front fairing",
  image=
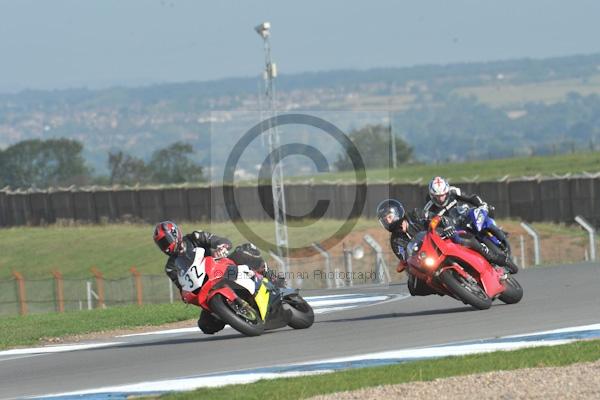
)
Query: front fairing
[{"x": 415, "y": 244}]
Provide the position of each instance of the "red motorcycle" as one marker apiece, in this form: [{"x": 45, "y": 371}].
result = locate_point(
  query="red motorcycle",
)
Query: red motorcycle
[
  {"x": 457, "y": 271},
  {"x": 239, "y": 296}
]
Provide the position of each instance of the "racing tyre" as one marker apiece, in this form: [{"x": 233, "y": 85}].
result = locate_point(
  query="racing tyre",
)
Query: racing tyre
[
  {"x": 513, "y": 292},
  {"x": 466, "y": 290},
  {"x": 303, "y": 315},
  {"x": 240, "y": 315}
]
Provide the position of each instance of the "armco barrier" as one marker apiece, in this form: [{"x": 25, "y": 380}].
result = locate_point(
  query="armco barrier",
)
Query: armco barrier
[{"x": 553, "y": 200}]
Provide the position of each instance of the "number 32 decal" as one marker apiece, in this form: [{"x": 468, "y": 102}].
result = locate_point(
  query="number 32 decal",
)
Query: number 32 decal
[{"x": 193, "y": 277}]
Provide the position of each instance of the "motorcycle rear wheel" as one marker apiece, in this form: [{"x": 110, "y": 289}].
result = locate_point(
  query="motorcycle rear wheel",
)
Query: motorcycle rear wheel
[
  {"x": 243, "y": 319},
  {"x": 470, "y": 293},
  {"x": 303, "y": 315},
  {"x": 513, "y": 292}
]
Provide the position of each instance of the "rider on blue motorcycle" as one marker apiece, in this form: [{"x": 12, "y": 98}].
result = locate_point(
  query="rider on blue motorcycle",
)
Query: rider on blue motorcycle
[{"x": 442, "y": 199}]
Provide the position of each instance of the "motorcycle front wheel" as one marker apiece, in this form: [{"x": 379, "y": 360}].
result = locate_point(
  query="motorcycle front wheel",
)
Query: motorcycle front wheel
[
  {"x": 513, "y": 292},
  {"x": 240, "y": 315},
  {"x": 303, "y": 315},
  {"x": 466, "y": 290}
]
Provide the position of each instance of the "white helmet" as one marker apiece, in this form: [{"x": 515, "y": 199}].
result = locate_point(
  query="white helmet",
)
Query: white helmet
[{"x": 438, "y": 191}]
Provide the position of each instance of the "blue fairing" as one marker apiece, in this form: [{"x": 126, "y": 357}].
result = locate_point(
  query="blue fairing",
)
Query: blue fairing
[{"x": 480, "y": 221}]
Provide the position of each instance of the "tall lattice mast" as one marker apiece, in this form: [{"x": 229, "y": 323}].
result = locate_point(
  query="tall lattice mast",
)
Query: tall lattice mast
[{"x": 269, "y": 104}]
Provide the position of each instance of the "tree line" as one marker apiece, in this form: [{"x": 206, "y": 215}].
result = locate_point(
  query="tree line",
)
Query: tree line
[{"x": 59, "y": 162}]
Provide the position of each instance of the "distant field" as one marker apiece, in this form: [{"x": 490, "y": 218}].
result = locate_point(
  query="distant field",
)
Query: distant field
[
  {"x": 499, "y": 93},
  {"x": 480, "y": 170}
]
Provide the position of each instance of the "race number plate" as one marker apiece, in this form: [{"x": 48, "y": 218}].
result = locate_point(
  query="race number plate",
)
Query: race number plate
[{"x": 194, "y": 276}]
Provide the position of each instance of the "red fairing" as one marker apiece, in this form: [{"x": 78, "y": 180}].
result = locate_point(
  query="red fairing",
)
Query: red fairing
[
  {"x": 215, "y": 270},
  {"x": 432, "y": 259},
  {"x": 488, "y": 275}
]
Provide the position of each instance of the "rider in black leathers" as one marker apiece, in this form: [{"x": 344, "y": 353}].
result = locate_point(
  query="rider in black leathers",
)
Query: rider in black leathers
[
  {"x": 169, "y": 238},
  {"x": 172, "y": 242},
  {"x": 403, "y": 227}
]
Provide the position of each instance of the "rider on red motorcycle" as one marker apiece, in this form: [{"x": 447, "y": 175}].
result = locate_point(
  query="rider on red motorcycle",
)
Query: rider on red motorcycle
[
  {"x": 170, "y": 240},
  {"x": 443, "y": 198},
  {"x": 403, "y": 228}
]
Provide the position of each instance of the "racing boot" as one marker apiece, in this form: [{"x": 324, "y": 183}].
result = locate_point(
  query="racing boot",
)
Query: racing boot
[
  {"x": 209, "y": 324},
  {"x": 510, "y": 265},
  {"x": 501, "y": 260}
]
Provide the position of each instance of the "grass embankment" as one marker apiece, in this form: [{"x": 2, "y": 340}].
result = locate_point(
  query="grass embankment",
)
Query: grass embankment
[
  {"x": 113, "y": 249},
  {"x": 35, "y": 329},
  {"x": 486, "y": 170},
  {"x": 298, "y": 388}
]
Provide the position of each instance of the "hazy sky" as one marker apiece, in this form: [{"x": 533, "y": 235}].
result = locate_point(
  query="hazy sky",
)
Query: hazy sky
[{"x": 51, "y": 44}]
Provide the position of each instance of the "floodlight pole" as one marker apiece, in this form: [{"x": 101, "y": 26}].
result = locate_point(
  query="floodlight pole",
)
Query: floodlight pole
[
  {"x": 277, "y": 187},
  {"x": 393, "y": 155}
]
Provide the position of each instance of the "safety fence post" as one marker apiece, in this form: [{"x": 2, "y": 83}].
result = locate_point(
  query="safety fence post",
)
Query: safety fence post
[
  {"x": 59, "y": 291},
  {"x": 522, "y": 243},
  {"x": 536, "y": 242},
  {"x": 100, "y": 286},
  {"x": 137, "y": 277},
  {"x": 171, "y": 294},
  {"x": 21, "y": 290},
  {"x": 327, "y": 257},
  {"x": 380, "y": 266},
  {"x": 348, "y": 264},
  {"x": 592, "y": 235}
]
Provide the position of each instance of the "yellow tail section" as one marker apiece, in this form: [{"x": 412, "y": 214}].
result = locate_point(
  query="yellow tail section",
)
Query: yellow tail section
[{"x": 262, "y": 299}]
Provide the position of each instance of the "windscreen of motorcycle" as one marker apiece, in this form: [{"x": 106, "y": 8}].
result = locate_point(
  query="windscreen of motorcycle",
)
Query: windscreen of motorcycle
[
  {"x": 190, "y": 266},
  {"x": 415, "y": 244},
  {"x": 458, "y": 215}
]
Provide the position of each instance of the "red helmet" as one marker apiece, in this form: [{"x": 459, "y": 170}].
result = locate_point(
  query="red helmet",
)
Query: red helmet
[{"x": 168, "y": 237}]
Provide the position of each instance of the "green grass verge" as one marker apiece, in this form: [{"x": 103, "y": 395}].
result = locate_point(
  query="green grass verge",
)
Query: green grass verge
[
  {"x": 32, "y": 329},
  {"x": 486, "y": 170},
  {"x": 298, "y": 388}
]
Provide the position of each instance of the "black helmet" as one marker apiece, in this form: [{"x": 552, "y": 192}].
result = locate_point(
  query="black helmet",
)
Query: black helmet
[
  {"x": 390, "y": 213},
  {"x": 248, "y": 254}
]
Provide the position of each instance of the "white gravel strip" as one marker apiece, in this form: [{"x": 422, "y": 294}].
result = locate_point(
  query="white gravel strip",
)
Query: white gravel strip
[{"x": 577, "y": 381}]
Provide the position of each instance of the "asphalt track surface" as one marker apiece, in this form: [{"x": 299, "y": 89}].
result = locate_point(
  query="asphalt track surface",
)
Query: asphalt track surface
[{"x": 555, "y": 297}]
